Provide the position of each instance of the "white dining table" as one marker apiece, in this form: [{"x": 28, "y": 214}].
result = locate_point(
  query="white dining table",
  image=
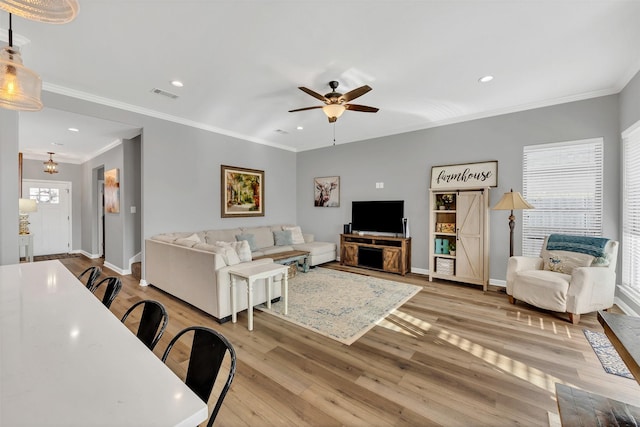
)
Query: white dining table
[{"x": 66, "y": 360}]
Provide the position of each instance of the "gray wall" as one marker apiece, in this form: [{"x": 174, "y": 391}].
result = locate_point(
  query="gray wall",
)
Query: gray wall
[
  {"x": 34, "y": 169},
  {"x": 403, "y": 162},
  {"x": 8, "y": 187}
]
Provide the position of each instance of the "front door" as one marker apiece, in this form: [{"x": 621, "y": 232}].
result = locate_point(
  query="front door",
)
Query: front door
[{"x": 51, "y": 224}]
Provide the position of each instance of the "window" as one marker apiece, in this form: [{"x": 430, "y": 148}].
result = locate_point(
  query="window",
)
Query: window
[
  {"x": 45, "y": 195},
  {"x": 563, "y": 181},
  {"x": 631, "y": 209}
]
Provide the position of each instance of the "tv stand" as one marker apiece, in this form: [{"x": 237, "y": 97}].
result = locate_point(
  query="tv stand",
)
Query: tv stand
[{"x": 385, "y": 253}]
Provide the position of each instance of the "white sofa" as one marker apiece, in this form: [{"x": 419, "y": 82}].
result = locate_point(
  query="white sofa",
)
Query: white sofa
[{"x": 187, "y": 265}]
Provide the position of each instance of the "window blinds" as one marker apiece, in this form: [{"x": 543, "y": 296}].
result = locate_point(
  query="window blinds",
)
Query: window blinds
[
  {"x": 563, "y": 181},
  {"x": 631, "y": 210}
]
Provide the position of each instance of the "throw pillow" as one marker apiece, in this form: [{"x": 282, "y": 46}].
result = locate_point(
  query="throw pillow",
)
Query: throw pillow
[
  {"x": 250, "y": 238},
  {"x": 241, "y": 250},
  {"x": 185, "y": 242},
  {"x": 565, "y": 262},
  {"x": 296, "y": 235},
  {"x": 283, "y": 238}
]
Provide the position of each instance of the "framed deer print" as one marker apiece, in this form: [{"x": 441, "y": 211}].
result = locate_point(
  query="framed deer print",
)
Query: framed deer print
[
  {"x": 242, "y": 192},
  {"x": 326, "y": 192}
]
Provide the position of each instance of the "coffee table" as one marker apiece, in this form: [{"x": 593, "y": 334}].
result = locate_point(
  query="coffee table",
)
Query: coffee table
[{"x": 289, "y": 257}]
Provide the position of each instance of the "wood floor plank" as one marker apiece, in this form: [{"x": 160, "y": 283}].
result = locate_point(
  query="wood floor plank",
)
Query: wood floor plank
[{"x": 453, "y": 355}]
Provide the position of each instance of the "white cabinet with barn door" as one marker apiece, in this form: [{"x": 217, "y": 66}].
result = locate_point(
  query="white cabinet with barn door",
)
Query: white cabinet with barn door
[{"x": 459, "y": 236}]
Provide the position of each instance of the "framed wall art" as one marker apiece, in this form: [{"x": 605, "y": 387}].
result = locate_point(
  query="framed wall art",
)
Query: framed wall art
[
  {"x": 112, "y": 191},
  {"x": 242, "y": 192},
  {"x": 326, "y": 191}
]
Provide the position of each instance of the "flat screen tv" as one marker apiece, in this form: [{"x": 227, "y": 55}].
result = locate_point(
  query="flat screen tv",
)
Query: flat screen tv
[{"x": 384, "y": 216}]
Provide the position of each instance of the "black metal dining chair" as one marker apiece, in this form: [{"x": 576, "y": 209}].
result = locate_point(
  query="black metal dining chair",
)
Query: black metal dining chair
[
  {"x": 153, "y": 321},
  {"x": 113, "y": 284},
  {"x": 92, "y": 275},
  {"x": 208, "y": 349}
]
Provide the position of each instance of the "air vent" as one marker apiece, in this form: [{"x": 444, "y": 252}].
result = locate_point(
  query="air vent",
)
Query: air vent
[
  {"x": 283, "y": 132},
  {"x": 164, "y": 93}
]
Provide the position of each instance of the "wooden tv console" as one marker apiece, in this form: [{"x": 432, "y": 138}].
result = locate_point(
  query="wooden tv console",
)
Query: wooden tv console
[{"x": 390, "y": 254}]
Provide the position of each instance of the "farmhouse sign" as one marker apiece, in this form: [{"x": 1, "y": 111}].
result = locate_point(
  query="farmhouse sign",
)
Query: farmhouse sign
[{"x": 464, "y": 176}]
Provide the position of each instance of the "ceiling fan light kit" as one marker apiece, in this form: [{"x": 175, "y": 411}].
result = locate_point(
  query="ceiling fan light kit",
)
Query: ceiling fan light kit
[
  {"x": 336, "y": 103},
  {"x": 48, "y": 11},
  {"x": 20, "y": 87}
]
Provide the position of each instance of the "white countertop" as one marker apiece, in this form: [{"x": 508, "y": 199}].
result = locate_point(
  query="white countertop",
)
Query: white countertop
[{"x": 66, "y": 360}]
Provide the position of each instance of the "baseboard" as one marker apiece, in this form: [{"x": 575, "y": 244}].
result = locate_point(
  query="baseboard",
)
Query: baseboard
[
  {"x": 117, "y": 269},
  {"x": 87, "y": 254}
]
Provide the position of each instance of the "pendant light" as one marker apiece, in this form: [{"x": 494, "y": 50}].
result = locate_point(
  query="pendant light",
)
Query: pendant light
[
  {"x": 50, "y": 165},
  {"x": 19, "y": 86},
  {"x": 49, "y": 11}
]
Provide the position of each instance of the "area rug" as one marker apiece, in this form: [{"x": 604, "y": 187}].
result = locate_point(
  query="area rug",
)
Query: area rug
[
  {"x": 342, "y": 306},
  {"x": 607, "y": 354}
]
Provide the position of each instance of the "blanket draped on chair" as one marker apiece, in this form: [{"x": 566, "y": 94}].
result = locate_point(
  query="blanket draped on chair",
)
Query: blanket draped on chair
[{"x": 583, "y": 244}]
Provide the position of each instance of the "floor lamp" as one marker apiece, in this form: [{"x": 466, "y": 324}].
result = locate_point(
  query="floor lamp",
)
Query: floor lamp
[{"x": 510, "y": 202}]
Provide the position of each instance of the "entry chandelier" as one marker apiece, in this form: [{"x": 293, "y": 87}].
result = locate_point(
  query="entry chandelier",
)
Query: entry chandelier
[
  {"x": 50, "y": 165},
  {"x": 49, "y": 11},
  {"x": 19, "y": 86}
]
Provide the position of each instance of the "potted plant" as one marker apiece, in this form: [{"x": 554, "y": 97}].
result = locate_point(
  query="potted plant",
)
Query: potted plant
[
  {"x": 452, "y": 249},
  {"x": 447, "y": 200},
  {"x": 440, "y": 204}
]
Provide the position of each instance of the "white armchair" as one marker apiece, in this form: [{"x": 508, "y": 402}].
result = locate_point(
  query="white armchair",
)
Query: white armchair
[{"x": 574, "y": 274}]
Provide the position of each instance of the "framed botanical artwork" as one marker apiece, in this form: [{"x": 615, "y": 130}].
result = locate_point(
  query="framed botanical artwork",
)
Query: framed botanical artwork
[
  {"x": 242, "y": 192},
  {"x": 111, "y": 191},
  {"x": 326, "y": 191}
]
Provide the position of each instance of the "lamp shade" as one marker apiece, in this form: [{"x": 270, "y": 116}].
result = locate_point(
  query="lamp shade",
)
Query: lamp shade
[
  {"x": 19, "y": 86},
  {"x": 512, "y": 201},
  {"x": 333, "y": 110},
  {"x": 49, "y": 11},
  {"x": 27, "y": 205}
]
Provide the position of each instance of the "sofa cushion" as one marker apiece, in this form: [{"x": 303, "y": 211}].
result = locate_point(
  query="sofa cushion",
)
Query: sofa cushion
[
  {"x": 555, "y": 285},
  {"x": 194, "y": 237},
  {"x": 169, "y": 237},
  {"x": 296, "y": 234},
  {"x": 230, "y": 255},
  {"x": 283, "y": 238},
  {"x": 213, "y": 236},
  {"x": 250, "y": 238},
  {"x": 263, "y": 236},
  {"x": 316, "y": 248},
  {"x": 185, "y": 241}
]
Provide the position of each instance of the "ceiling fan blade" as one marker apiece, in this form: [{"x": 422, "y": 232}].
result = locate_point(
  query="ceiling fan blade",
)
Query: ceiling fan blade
[
  {"x": 353, "y": 94},
  {"x": 314, "y": 94},
  {"x": 363, "y": 108},
  {"x": 305, "y": 108}
]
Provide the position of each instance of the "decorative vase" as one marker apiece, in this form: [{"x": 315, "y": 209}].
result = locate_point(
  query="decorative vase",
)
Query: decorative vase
[
  {"x": 452, "y": 253},
  {"x": 442, "y": 208}
]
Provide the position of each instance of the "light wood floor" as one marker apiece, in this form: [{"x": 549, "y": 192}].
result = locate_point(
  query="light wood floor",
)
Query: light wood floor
[{"x": 451, "y": 356}]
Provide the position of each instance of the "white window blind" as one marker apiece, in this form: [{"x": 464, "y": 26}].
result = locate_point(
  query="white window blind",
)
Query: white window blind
[
  {"x": 631, "y": 210},
  {"x": 563, "y": 181}
]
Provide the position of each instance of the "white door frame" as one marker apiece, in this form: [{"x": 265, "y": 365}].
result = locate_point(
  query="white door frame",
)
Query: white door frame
[{"x": 100, "y": 215}]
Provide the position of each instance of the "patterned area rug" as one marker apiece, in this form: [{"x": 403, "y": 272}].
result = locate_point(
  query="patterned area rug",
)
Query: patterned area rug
[
  {"x": 342, "y": 306},
  {"x": 609, "y": 357}
]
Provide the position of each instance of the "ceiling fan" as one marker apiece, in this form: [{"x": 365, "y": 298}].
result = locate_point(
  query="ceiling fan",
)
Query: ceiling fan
[{"x": 336, "y": 103}]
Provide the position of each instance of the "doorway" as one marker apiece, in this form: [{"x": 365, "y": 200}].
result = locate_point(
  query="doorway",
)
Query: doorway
[{"x": 50, "y": 225}]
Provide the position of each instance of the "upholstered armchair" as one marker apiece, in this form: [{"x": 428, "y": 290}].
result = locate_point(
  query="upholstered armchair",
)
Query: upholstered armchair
[{"x": 573, "y": 274}]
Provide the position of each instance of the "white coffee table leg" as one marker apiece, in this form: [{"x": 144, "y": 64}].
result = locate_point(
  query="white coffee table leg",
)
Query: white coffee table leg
[
  {"x": 234, "y": 315},
  {"x": 285, "y": 293},
  {"x": 250, "y": 304}
]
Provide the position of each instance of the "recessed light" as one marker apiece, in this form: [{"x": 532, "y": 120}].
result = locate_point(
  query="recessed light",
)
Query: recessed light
[
  {"x": 74, "y": 129},
  {"x": 299, "y": 128},
  {"x": 485, "y": 79},
  {"x": 177, "y": 83}
]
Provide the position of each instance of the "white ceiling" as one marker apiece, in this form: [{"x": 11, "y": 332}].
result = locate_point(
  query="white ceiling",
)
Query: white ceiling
[{"x": 241, "y": 62}]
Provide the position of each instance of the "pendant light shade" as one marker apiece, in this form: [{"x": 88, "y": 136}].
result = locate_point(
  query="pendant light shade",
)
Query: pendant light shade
[
  {"x": 50, "y": 165},
  {"x": 19, "y": 86},
  {"x": 49, "y": 11}
]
